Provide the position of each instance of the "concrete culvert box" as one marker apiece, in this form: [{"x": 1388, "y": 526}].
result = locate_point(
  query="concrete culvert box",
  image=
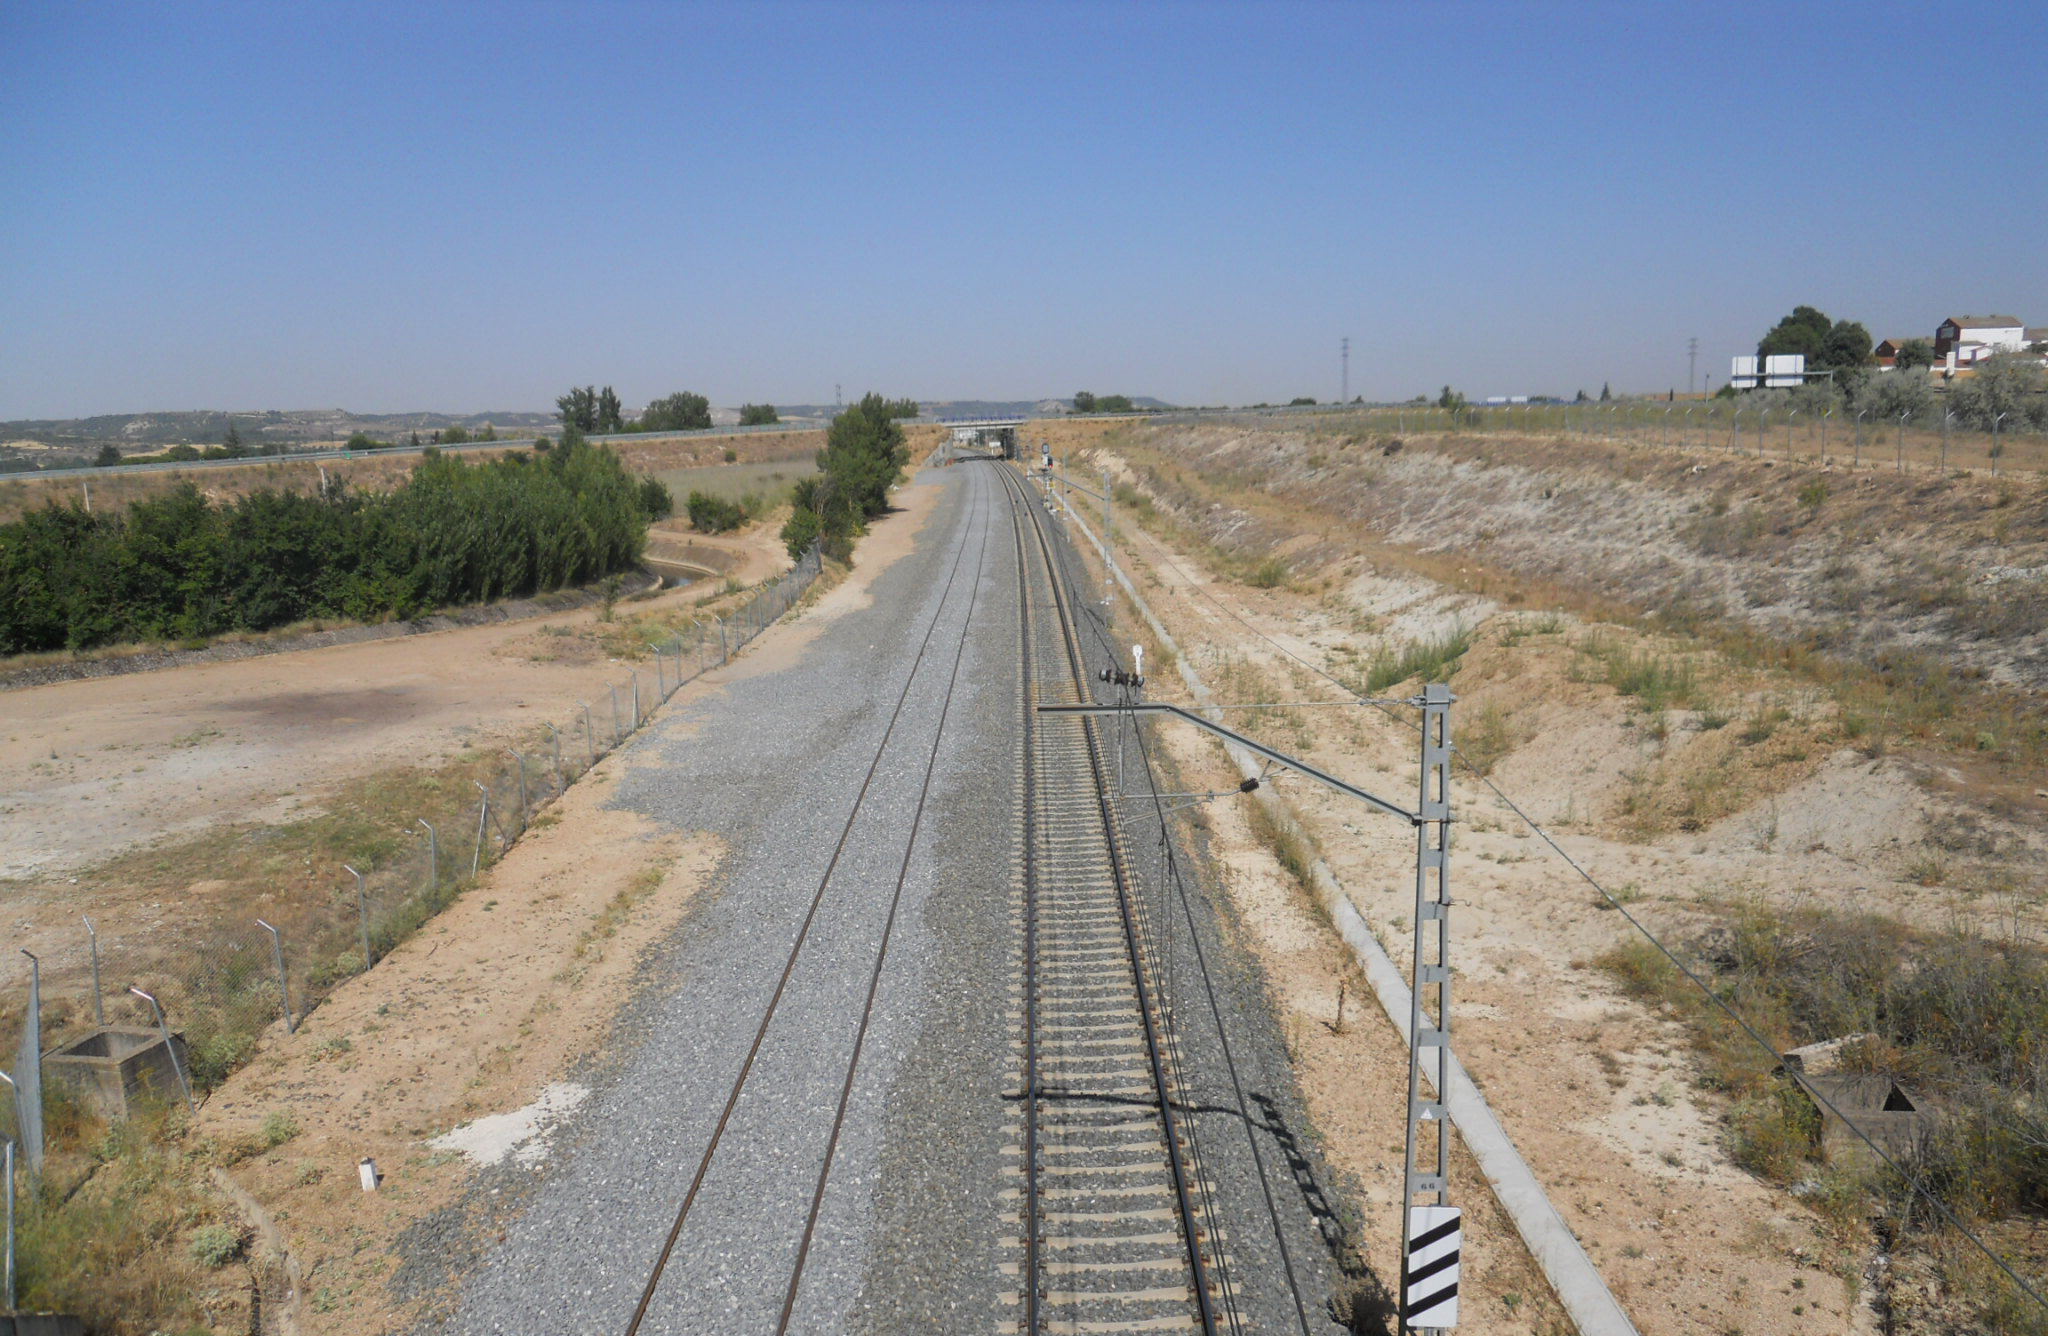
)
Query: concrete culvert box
[
  {"x": 114, "y": 1068},
  {"x": 1850, "y": 1101}
]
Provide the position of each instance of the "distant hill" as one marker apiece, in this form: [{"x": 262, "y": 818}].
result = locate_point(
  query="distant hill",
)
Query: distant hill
[
  {"x": 35, "y": 439},
  {"x": 29, "y": 444}
]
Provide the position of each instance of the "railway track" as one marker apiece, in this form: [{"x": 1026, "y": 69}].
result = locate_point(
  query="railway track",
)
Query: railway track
[
  {"x": 1115, "y": 1221},
  {"x": 1115, "y": 1233}
]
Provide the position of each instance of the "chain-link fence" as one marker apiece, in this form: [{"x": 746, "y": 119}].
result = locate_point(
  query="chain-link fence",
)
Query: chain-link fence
[{"x": 221, "y": 983}]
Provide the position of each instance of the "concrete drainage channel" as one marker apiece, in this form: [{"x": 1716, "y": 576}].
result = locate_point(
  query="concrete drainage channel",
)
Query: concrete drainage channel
[{"x": 1577, "y": 1282}]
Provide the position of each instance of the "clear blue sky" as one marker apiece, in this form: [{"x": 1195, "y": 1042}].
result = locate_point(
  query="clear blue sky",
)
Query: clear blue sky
[{"x": 391, "y": 207}]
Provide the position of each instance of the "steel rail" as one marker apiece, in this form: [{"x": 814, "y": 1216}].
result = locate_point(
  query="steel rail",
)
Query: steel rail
[
  {"x": 881, "y": 952},
  {"x": 1182, "y": 1191},
  {"x": 1029, "y": 772},
  {"x": 796, "y": 948}
]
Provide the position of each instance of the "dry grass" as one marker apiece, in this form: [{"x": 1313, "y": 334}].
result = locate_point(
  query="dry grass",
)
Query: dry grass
[{"x": 126, "y": 1231}]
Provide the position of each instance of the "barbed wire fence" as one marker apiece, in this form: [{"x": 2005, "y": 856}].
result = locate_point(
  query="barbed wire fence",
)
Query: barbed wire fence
[{"x": 223, "y": 983}]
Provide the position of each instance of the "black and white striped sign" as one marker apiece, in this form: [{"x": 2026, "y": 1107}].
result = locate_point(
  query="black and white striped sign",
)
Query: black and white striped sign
[{"x": 1429, "y": 1275}]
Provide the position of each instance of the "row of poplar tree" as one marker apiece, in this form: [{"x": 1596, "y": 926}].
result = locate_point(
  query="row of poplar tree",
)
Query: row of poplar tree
[{"x": 181, "y": 566}]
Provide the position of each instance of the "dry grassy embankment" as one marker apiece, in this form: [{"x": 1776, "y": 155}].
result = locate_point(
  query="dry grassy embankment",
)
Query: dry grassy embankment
[{"x": 1791, "y": 716}]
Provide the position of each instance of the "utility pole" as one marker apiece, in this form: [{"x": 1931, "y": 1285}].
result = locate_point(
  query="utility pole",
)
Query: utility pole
[
  {"x": 1692, "y": 357},
  {"x": 838, "y": 400},
  {"x": 1345, "y": 396}
]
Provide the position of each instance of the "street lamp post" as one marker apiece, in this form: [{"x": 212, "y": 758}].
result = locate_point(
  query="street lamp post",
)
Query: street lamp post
[{"x": 1996, "y": 444}]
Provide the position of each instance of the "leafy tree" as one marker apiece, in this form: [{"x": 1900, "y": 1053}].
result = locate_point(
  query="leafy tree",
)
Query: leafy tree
[
  {"x": 713, "y": 514},
  {"x": 656, "y": 502},
  {"x": 1889, "y": 396},
  {"x": 108, "y": 456},
  {"x": 2007, "y": 384},
  {"x": 1803, "y": 331},
  {"x": 610, "y": 417},
  {"x": 901, "y": 408},
  {"x": 1303, "y": 401},
  {"x": 1453, "y": 400},
  {"x": 1913, "y": 355},
  {"x": 362, "y": 440},
  {"x": 682, "y": 411},
  {"x": 1116, "y": 403},
  {"x": 1847, "y": 347},
  {"x": 1841, "y": 346},
  {"x": 1605, "y": 393},
  {"x": 1084, "y": 402},
  {"x": 1815, "y": 398},
  {"x": 487, "y": 432},
  {"x": 1582, "y": 397},
  {"x": 453, "y": 435},
  {"x": 802, "y": 529},
  {"x": 578, "y": 408},
  {"x": 864, "y": 454},
  {"x": 232, "y": 443},
  {"x": 757, "y": 415}
]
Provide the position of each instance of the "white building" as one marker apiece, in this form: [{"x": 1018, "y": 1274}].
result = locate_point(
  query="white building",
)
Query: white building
[{"x": 1963, "y": 340}]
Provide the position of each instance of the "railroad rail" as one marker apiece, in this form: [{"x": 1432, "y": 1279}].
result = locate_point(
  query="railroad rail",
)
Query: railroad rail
[
  {"x": 1114, "y": 1233},
  {"x": 934, "y": 655}
]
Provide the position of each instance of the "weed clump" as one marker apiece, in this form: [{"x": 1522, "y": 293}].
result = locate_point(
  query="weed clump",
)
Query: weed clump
[
  {"x": 1961, "y": 1020},
  {"x": 1432, "y": 660}
]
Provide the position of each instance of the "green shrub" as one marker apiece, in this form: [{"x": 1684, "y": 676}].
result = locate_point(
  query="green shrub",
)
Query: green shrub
[
  {"x": 278, "y": 1128},
  {"x": 713, "y": 514},
  {"x": 655, "y": 501},
  {"x": 1432, "y": 660},
  {"x": 1267, "y": 573},
  {"x": 216, "y": 1245},
  {"x": 180, "y": 566}
]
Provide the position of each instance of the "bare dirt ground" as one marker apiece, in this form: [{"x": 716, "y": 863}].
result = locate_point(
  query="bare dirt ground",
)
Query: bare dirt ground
[
  {"x": 499, "y": 1008},
  {"x": 1682, "y": 813},
  {"x": 501, "y": 1003}
]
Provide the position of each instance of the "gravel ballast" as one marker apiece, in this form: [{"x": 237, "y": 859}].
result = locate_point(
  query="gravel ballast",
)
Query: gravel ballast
[{"x": 908, "y": 1234}]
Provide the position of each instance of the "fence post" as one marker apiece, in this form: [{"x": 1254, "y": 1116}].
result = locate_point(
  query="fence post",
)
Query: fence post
[
  {"x": 634, "y": 673},
  {"x": 722, "y": 655},
  {"x": 618, "y": 734},
  {"x": 483, "y": 814},
  {"x": 555, "y": 735},
  {"x": 29, "y": 1102},
  {"x": 169, "y": 1047},
  {"x": 362, "y": 913},
  {"x": 99, "y": 1009},
  {"x": 10, "y": 1226},
  {"x": 284, "y": 991},
  {"x": 520, "y": 761},
  {"x": 433, "y": 858},
  {"x": 589, "y": 738}
]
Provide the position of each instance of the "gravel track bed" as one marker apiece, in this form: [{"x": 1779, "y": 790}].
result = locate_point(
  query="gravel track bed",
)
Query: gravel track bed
[{"x": 908, "y": 1236}]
